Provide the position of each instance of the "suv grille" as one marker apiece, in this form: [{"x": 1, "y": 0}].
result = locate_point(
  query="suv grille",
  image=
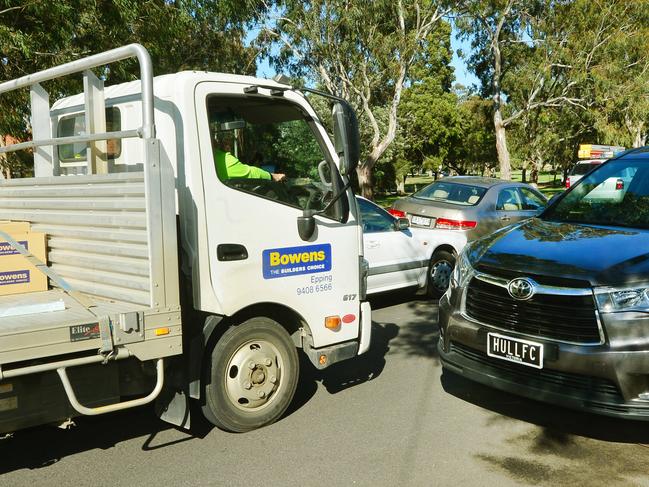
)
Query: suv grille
[{"x": 558, "y": 317}]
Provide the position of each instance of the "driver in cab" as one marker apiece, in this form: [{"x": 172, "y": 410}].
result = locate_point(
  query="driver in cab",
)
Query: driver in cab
[{"x": 228, "y": 166}]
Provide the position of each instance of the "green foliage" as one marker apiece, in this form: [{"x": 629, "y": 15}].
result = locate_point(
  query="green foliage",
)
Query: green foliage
[
  {"x": 361, "y": 51},
  {"x": 182, "y": 34}
]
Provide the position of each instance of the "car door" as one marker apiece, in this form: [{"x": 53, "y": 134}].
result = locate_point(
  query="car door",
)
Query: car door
[{"x": 397, "y": 258}]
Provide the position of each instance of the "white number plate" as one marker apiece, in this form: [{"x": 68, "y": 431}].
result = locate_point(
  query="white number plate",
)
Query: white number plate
[
  {"x": 515, "y": 350},
  {"x": 420, "y": 220}
]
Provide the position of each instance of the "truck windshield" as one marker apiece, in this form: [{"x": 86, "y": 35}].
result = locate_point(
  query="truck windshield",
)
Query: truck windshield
[
  {"x": 615, "y": 194},
  {"x": 271, "y": 148}
]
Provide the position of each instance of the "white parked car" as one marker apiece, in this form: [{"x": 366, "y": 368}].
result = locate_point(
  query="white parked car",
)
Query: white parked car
[
  {"x": 400, "y": 256},
  {"x": 612, "y": 189}
]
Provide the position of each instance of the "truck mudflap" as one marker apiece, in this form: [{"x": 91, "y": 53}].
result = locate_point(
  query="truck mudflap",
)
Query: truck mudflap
[
  {"x": 366, "y": 327},
  {"x": 323, "y": 357}
]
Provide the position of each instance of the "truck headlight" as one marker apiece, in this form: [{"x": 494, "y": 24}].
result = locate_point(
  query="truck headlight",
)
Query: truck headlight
[{"x": 635, "y": 298}]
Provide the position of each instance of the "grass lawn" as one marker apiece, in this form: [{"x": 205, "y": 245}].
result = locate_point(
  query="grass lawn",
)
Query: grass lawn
[{"x": 547, "y": 185}]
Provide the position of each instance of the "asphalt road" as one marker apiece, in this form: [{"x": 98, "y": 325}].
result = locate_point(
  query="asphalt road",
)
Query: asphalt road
[{"x": 389, "y": 418}]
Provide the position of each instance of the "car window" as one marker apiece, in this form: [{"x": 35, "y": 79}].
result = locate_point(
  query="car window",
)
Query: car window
[
  {"x": 531, "y": 199},
  {"x": 458, "y": 194},
  {"x": 509, "y": 200},
  {"x": 582, "y": 168},
  {"x": 253, "y": 138},
  {"x": 76, "y": 125},
  {"x": 616, "y": 194},
  {"x": 375, "y": 219}
]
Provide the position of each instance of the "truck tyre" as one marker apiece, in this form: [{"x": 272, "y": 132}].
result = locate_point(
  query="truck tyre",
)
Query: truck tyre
[
  {"x": 440, "y": 269},
  {"x": 251, "y": 376}
]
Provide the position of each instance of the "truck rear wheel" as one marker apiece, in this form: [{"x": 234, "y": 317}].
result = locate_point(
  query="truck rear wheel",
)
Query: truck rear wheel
[{"x": 251, "y": 376}]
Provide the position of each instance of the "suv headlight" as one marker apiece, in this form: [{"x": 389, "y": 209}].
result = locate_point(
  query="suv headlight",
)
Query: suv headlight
[
  {"x": 462, "y": 272},
  {"x": 634, "y": 298}
]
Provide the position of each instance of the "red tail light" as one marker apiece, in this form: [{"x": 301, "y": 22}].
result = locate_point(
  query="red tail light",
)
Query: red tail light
[
  {"x": 567, "y": 183},
  {"x": 619, "y": 184},
  {"x": 397, "y": 213},
  {"x": 447, "y": 224}
]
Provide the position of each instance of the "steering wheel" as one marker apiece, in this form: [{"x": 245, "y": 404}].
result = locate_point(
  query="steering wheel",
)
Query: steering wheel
[{"x": 321, "y": 168}]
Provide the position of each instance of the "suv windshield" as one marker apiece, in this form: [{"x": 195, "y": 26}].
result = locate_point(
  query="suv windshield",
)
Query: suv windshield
[
  {"x": 458, "y": 194},
  {"x": 616, "y": 194}
]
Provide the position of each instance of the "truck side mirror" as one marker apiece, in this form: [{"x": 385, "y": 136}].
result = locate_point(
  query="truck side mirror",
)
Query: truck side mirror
[
  {"x": 306, "y": 225},
  {"x": 346, "y": 136}
]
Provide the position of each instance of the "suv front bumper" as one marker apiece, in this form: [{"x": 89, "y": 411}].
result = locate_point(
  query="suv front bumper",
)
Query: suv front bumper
[{"x": 599, "y": 379}]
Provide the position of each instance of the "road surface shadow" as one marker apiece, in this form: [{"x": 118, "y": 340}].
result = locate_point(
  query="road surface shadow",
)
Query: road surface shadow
[
  {"x": 545, "y": 456},
  {"x": 348, "y": 373},
  {"x": 43, "y": 446},
  {"x": 558, "y": 421},
  {"x": 394, "y": 298},
  {"x": 417, "y": 319}
]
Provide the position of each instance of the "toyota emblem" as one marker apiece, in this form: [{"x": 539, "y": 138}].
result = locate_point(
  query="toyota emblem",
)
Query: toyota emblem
[{"x": 521, "y": 288}]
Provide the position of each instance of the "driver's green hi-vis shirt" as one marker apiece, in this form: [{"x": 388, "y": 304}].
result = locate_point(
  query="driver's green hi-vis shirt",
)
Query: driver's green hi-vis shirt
[{"x": 229, "y": 167}]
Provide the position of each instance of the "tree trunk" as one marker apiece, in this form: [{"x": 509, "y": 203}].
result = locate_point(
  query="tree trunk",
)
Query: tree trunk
[
  {"x": 401, "y": 185},
  {"x": 4, "y": 168},
  {"x": 365, "y": 180},
  {"x": 523, "y": 174},
  {"x": 501, "y": 146},
  {"x": 640, "y": 137}
]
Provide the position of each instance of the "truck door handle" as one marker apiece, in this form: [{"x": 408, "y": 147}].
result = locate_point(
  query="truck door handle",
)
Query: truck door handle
[{"x": 229, "y": 252}]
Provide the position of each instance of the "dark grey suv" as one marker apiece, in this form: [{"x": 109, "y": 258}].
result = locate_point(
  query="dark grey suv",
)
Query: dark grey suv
[{"x": 557, "y": 308}]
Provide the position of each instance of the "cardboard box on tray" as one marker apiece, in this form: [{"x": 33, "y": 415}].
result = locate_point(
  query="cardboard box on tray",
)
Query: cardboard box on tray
[
  {"x": 17, "y": 275},
  {"x": 13, "y": 228}
]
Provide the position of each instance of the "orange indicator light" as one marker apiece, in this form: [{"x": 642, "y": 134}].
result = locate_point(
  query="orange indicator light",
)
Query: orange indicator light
[
  {"x": 332, "y": 322},
  {"x": 162, "y": 331}
]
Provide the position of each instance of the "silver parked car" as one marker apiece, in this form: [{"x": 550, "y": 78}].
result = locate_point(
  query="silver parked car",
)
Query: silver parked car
[{"x": 474, "y": 205}]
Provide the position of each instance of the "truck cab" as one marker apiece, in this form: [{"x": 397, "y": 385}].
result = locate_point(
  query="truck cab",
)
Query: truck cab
[{"x": 261, "y": 266}]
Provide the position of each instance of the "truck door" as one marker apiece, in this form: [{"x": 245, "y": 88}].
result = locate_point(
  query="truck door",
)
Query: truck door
[{"x": 255, "y": 252}]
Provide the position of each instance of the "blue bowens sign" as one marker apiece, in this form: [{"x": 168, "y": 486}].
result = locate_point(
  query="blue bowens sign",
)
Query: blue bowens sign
[
  {"x": 293, "y": 261},
  {"x": 14, "y": 277},
  {"x": 6, "y": 249}
]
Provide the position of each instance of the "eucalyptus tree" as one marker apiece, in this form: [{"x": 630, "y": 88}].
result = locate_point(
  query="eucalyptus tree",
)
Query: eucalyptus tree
[
  {"x": 536, "y": 54},
  {"x": 361, "y": 51}
]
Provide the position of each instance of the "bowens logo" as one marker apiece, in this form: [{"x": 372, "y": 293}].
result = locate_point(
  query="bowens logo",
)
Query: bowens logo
[
  {"x": 291, "y": 261},
  {"x": 14, "y": 277},
  {"x": 521, "y": 288},
  {"x": 7, "y": 249}
]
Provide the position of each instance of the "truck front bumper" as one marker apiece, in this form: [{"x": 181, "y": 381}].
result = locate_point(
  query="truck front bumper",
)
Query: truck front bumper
[
  {"x": 599, "y": 379},
  {"x": 323, "y": 357}
]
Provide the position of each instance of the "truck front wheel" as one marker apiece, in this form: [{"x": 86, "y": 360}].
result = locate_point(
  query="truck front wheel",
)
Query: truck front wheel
[{"x": 251, "y": 376}]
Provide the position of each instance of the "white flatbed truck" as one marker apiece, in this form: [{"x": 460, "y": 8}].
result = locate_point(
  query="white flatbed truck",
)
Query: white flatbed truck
[{"x": 179, "y": 282}]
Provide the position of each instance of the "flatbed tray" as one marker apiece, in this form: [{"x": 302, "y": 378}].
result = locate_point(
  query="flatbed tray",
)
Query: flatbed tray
[{"x": 40, "y": 335}]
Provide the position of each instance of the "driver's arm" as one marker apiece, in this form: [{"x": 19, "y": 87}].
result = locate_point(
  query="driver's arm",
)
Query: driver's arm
[{"x": 229, "y": 167}]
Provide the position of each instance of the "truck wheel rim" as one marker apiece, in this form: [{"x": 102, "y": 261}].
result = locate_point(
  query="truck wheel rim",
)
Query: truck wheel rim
[
  {"x": 440, "y": 274},
  {"x": 253, "y": 375}
]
